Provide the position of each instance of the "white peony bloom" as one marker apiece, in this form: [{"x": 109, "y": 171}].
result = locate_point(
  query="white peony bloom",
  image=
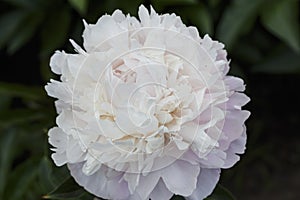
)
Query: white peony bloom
[{"x": 145, "y": 109}]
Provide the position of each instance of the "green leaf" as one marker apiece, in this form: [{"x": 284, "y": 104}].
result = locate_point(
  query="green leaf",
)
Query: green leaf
[
  {"x": 199, "y": 16},
  {"x": 174, "y": 2},
  {"x": 237, "y": 19},
  {"x": 282, "y": 19},
  {"x": 4, "y": 103},
  {"x": 176, "y": 197},
  {"x": 50, "y": 176},
  {"x": 7, "y": 150},
  {"x": 214, "y": 3},
  {"x": 21, "y": 179},
  {"x": 79, "y": 5},
  {"x": 55, "y": 31},
  {"x": 68, "y": 189},
  {"x": 9, "y": 23},
  {"x": 283, "y": 62},
  {"x": 24, "y": 32},
  {"x": 53, "y": 36},
  {"x": 160, "y": 4},
  {"x": 18, "y": 116},
  {"x": 17, "y": 90},
  {"x": 23, "y": 3},
  {"x": 44, "y": 174},
  {"x": 221, "y": 193}
]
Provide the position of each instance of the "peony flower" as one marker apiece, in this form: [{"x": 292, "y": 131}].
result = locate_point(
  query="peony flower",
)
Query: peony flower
[{"x": 146, "y": 109}]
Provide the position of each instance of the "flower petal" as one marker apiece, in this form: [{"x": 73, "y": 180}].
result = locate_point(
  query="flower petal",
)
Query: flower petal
[
  {"x": 59, "y": 140},
  {"x": 181, "y": 177},
  {"x": 99, "y": 184},
  {"x": 206, "y": 183},
  {"x": 160, "y": 191},
  {"x": 146, "y": 185}
]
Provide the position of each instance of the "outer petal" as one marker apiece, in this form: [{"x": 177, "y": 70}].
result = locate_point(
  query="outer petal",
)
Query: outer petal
[
  {"x": 104, "y": 33},
  {"x": 206, "y": 183},
  {"x": 99, "y": 184},
  {"x": 74, "y": 152},
  {"x": 160, "y": 191},
  {"x": 145, "y": 186},
  {"x": 236, "y": 147},
  {"x": 57, "y": 61},
  {"x": 144, "y": 15},
  {"x": 237, "y": 100},
  {"x": 215, "y": 159},
  {"x": 181, "y": 177},
  {"x": 234, "y": 83},
  {"x": 234, "y": 120},
  {"x": 59, "y": 90},
  {"x": 59, "y": 140}
]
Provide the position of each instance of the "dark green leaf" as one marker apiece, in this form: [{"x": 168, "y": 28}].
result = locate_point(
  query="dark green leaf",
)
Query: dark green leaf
[
  {"x": 23, "y": 3},
  {"x": 237, "y": 19},
  {"x": 160, "y": 4},
  {"x": 247, "y": 52},
  {"x": 55, "y": 30},
  {"x": 6, "y": 157},
  {"x": 282, "y": 19},
  {"x": 214, "y": 3},
  {"x": 59, "y": 175},
  {"x": 24, "y": 32},
  {"x": 45, "y": 170},
  {"x": 79, "y": 5},
  {"x": 53, "y": 36},
  {"x": 221, "y": 193},
  {"x": 200, "y": 17},
  {"x": 21, "y": 179},
  {"x": 69, "y": 189},
  {"x": 9, "y": 23},
  {"x": 17, "y": 90},
  {"x": 4, "y": 103},
  {"x": 51, "y": 176},
  {"x": 176, "y": 197},
  {"x": 283, "y": 62},
  {"x": 18, "y": 116}
]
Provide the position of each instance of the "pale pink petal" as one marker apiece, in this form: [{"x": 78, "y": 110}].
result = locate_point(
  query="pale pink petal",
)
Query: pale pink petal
[
  {"x": 207, "y": 180},
  {"x": 146, "y": 185},
  {"x": 234, "y": 83},
  {"x": 160, "y": 191},
  {"x": 99, "y": 184},
  {"x": 237, "y": 100},
  {"x": 181, "y": 177},
  {"x": 236, "y": 147}
]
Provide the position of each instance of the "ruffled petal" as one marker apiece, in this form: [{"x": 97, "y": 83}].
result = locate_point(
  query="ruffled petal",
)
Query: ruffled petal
[
  {"x": 58, "y": 139},
  {"x": 238, "y": 146},
  {"x": 181, "y": 177},
  {"x": 146, "y": 185},
  {"x": 237, "y": 100},
  {"x": 57, "y": 61},
  {"x": 99, "y": 184},
  {"x": 104, "y": 34},
  {"x": 207, "y": 180},
  {"x": 160, "y": 191},
  {"x": 59, "y": 90}
]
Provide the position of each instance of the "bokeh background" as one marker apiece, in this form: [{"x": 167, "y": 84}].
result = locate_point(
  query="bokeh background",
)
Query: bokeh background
[{"x": 263, "y": 43}]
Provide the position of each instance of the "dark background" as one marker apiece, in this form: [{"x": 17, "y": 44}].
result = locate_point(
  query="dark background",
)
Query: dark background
[{"x": 263, "y": 43}]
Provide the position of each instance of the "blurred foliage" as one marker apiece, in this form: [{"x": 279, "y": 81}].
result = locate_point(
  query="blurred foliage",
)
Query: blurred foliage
[{"x": 261, "y": 36}]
